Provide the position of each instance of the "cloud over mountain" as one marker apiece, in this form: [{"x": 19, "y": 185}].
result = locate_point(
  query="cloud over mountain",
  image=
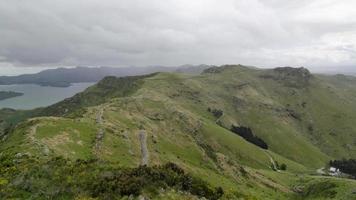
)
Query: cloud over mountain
[{"x": 317, "y": 33}]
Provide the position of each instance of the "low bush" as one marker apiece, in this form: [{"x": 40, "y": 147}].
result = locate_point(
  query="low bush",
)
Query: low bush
[
  {"x": 216, "y": 112},
  {"x": 58, "y": 178}
]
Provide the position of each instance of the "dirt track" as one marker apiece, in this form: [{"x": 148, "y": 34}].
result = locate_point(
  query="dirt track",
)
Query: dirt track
[{"x": 144, "y": 152}]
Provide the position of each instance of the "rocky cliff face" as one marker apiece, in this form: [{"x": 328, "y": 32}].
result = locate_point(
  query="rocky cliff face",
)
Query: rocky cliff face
[{"x": 291, "y": 77}]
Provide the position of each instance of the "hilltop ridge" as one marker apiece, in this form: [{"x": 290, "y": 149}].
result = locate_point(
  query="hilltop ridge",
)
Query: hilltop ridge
[{"x": 64, "y": 77}]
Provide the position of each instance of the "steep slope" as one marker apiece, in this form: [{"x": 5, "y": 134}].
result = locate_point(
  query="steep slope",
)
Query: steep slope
[
  {"x": 108, "y": 88},
  {"x": 168, "y": 117}
]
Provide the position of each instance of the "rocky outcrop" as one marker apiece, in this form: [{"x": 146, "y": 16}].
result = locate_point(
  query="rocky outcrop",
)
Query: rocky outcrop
[
  {"x": 289, "y": 76},
  {"x": 222, "y": 68}
]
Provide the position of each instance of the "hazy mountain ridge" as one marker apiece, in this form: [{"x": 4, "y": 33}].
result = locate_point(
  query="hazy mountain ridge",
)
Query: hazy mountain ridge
[
  {"x": 305, "y": 119},
  {"x": 63, "y": 77}
]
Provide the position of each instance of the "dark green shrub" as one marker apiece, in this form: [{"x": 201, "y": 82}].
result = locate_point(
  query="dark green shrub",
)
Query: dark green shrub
[
  {"x": 247, "y": 134},
  {"x": 283, "y": 167},
  {"x": 216, "y": 112},
  {"x": 60, "y": 178}
]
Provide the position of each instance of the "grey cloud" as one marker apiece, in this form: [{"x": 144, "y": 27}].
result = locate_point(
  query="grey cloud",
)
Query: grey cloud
[{"x": 172, "y": 32}]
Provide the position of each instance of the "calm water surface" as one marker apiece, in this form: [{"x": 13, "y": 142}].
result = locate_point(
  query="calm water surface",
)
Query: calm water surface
[{"x": 39, "y": 96}]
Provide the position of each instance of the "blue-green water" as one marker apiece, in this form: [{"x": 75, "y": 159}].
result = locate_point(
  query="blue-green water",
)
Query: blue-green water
[{"x": 39, "y": 96}]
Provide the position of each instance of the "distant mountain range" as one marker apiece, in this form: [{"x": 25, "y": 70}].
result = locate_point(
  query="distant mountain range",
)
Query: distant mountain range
[{"x": 64, "y": 77}]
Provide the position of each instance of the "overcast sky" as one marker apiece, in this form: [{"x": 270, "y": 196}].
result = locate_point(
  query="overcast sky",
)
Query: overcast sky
[{"x": 319, "y": 34}]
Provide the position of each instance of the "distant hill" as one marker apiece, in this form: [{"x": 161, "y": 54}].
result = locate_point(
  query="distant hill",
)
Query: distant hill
[
  {"x": 9, "y": 94},
  {"x": 63, "y": 77}
]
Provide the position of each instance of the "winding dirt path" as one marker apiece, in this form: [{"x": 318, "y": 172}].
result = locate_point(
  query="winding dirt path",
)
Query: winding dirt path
[
  {"x": 272, "y": 161},
  {"x": 144, "y": 151},
  {"x": 100, "y": 134}
]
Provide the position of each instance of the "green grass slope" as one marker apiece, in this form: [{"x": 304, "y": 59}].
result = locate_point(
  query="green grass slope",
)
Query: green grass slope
[{"x": 305, "y": 119}]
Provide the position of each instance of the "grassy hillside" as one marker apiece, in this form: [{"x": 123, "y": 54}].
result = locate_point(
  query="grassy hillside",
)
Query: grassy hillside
[{"x": 305, "y": 119}]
